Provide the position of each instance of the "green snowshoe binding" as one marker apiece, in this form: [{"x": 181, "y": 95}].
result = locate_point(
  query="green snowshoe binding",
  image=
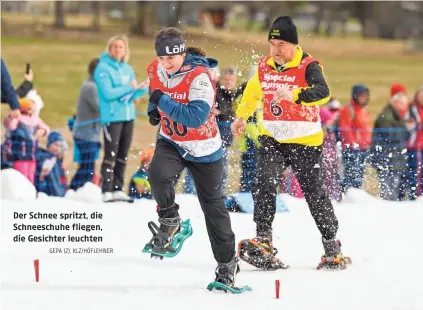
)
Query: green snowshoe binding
[{"x": 167, "y": 240}]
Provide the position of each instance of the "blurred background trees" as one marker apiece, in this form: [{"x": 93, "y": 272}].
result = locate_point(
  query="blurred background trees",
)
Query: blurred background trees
[{"x": 371, "y": 19}]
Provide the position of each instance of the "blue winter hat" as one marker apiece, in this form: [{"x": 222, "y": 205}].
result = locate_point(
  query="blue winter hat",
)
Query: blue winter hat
[
  {"x": 359, "y": 89},
  {"x": 54, "y": 136}
]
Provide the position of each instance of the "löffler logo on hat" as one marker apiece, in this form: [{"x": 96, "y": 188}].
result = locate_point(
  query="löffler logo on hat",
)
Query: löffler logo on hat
[{"x": 176, "y": 49}]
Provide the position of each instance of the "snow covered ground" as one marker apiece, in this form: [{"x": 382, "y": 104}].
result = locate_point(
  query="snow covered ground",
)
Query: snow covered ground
[{"x": 384, "y": 240}]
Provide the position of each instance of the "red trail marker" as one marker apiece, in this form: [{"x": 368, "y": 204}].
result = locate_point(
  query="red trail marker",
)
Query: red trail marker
[
  {"x": 37, "y": 269},
  {"x": 277, "y": 288}
]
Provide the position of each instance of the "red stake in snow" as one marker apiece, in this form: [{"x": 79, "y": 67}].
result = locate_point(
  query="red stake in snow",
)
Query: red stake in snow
[
  {"x": 37, "y": 269},
  {"x": 277, "y": 287}
]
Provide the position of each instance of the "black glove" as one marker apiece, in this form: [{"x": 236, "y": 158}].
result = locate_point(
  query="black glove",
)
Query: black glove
[
  {"x": 154, "y": 117},
  {"x": 155, "y": 96},
  {"x": 300, "y": 98}
]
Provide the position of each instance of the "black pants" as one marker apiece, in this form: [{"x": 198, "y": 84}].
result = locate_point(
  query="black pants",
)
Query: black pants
[
  {"x": 166, "y": 165},
  {"x": 117, "y": 140},
  {"x": 272, "y": 160}
]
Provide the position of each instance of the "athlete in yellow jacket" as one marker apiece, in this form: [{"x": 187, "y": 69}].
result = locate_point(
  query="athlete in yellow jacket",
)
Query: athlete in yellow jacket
[
  {"x": 291, "y": 85},
  {"x": 315, "y": 94}
]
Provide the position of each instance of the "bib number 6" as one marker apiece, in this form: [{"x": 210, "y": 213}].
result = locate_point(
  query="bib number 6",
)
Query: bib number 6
[
  {"x": 173, "y": 128},
  {"x": 275, "y": 108}
]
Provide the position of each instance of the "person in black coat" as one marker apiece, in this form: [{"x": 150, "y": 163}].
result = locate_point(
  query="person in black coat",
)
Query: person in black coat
[{"x": 227, "y": 94}]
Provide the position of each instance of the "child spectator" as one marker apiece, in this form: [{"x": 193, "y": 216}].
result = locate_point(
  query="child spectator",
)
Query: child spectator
[
  {"x": 331, "y": 159},
  {"x": 32, "y": 95},
  {"x": 355, "y": 130},
  {"x": 23, "y": 135},
  {"x": 334, "y": 107},
  {"x": 35, "y": 97},
  {"x": 139, "y": 186},
  {"x": 50, "y": 175}
]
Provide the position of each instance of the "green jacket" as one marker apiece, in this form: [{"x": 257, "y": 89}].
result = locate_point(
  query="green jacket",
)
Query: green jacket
[{"x": 390, "y": 136}]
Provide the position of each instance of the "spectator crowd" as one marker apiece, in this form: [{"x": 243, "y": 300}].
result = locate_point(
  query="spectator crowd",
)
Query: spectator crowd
[{"x": 105, "y": 116}]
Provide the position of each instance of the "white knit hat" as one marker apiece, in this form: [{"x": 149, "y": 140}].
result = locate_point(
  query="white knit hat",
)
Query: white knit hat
[
  {"x": 334, "y": 104},
  {"x": 36, "y": 98}
]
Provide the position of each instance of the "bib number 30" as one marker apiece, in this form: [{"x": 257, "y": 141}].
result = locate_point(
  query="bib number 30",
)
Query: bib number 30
[
  {"x": 173, "y": 128},
  {"x": 275, "y": 108}
]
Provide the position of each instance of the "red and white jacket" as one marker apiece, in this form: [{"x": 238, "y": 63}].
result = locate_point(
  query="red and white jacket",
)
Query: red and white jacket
[{"x": 200, "y": 141}]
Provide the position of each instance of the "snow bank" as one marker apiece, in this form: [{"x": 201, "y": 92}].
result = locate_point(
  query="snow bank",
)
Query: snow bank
[
  {"x": 359, "y": 196},
  {"x": 15, "y": 186},
  {"x": 88, "y": 193}
]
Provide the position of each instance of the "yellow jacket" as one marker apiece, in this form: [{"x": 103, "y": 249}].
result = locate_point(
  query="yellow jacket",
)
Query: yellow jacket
[{"x": 316, "y": 94}]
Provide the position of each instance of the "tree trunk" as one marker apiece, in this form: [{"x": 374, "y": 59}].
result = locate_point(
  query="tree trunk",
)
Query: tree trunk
[
  {"x": 390, "y": 16},
  {"x": 331, "y": 22},
  {"x": 363, "y": 12},
  {"x": 252, "y": 11},
  {"x": 344, "y": 23},
  {"x": 319, "y": 16},
  {"x": 143, "y": 25},
  {"x": 417, "y": 36},
  {"x": 59, "y": 15},
  {"x": 96, "y": 10},
  {"x": 177, "y": 14},
  {"x": 267, "y": 21}
]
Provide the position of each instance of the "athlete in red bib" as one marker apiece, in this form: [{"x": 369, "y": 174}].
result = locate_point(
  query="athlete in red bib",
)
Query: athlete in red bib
[
  {"x": 291, "y": 86},
  {"x": 296, "y": 120},
  {"x": 196, "y": 141},
  {"x": 182, "y": 101}
]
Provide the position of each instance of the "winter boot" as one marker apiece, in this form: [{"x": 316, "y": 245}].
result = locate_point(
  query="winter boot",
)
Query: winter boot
[
  {"x": 333, "y": 257},
  {"x": 168, "y": 239},
  {"x": 160, "y": 245},
  {"x": 108, "y": 197},
  {"x": 260, "y": 252},
  {"x": 226, "y": 272},
  {"x": 122, "y": 196},
  {"x": 264, "y": 238},
  {"x": 168, "y": 228}
]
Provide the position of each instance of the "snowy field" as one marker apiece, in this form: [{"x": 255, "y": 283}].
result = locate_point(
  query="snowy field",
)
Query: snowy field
[{"x": 384, "y": 240}]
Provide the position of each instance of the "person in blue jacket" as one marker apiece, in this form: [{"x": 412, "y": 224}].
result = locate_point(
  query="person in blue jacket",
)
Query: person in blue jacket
[
  {"x": 8, "y": 93},
  {"x": 116, "y": 88},
  {"x": 183, "y": 102}
]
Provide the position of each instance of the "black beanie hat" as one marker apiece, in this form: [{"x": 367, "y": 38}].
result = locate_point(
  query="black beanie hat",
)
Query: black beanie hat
[{"x": 283, "y": 28}]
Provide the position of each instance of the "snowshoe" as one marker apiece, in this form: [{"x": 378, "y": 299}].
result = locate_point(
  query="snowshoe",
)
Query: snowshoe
[
  {"x": 228, "y": 289},
  {"x": 225, "y": 278},
  {"x": 260, "y": 253},
  {"x": 167, "y": 240},
  {"x": 335, "y": 261}
]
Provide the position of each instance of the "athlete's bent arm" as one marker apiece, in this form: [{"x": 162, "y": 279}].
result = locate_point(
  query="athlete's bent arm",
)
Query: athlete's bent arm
[
  {"x": 196, "y": 112},
  {"x": 317, "y": 92}
]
